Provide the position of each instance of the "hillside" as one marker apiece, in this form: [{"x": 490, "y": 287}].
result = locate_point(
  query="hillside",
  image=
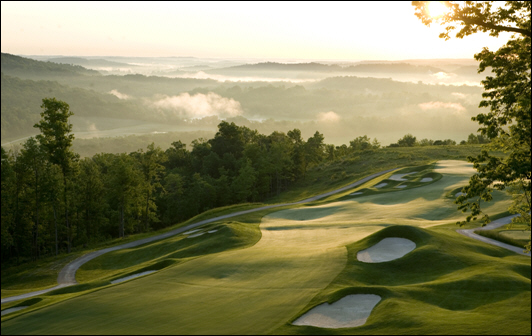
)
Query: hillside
[
  {"x": 21, "y": 66},
  {"x": 22, "y": 98}
]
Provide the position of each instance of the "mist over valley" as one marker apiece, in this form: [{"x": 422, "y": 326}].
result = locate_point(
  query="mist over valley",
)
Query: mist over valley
[{"x": 128, "y": 96}]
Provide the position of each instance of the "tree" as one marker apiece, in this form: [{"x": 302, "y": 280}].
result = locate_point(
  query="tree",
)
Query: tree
[
  {"x": 124, "y": 182},
  {"x": 151, "y": 165},
  {"x": 360, "y": 143},
  {"x": 315, "y": 148},
  {"x": 33, "y": 158},
  {"x": 507, "y": 95},
  {"x": 56, "y": 139},
  {"x": 407, "y": 141}
]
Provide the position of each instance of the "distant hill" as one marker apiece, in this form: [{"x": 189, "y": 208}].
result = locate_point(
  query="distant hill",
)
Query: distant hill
[
  {"x": 100, "y": 62},
  {"x": 20, "y": 66},
  {"x": 392, "y": 68},
  {"x": 318, "y": 67},
  {"x": 21, "y": 100},
  {"x": 274, "y": 66}
]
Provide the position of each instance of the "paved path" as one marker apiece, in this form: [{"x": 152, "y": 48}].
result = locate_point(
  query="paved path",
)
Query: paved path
[
  {"x": 67, "y": 276},
  {"x": 493, "y": 225}
]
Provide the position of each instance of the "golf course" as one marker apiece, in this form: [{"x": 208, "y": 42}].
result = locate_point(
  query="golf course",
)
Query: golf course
[{"x": 385, "y": 249}]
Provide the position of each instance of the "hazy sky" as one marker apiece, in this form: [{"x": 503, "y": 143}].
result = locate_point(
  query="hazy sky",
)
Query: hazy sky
[{"x": 280, "y": 30}]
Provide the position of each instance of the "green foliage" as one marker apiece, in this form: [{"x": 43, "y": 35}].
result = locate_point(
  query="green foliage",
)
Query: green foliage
[
  {"x": 407, "y": 141},
  {"x": 506, "y": 93}
]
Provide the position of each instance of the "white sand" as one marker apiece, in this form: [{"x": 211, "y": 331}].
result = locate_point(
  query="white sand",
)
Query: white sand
[
  {"x": 426, "y": 179},
  {"x": 401, "y": 186},
  {"x": 196, "y": 235},
  {"x": 348, "y": 312},
  {"x": 386, "y": 250},
  {"x": 212, "y": 231},
  {"x": 132, "y": 276},
  {"x": 11, "y": 310},
  {"x": 191, "y": 231},
  {"x": 381, "y": 185},
  {"x": 399, "y": 177},
  {"x": 356, "y": 193}
]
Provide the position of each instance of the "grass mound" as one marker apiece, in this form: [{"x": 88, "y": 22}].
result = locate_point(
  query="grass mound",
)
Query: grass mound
[
  {"x": 448, "y": 284},
  {"x": 167, "y": 252}
]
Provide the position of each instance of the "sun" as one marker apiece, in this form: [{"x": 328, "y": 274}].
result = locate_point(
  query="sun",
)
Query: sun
[{"x": 437, "y": 9}]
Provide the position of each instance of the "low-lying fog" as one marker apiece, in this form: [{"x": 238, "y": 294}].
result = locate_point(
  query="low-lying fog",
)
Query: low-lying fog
[{"x": 432, "y": 99}]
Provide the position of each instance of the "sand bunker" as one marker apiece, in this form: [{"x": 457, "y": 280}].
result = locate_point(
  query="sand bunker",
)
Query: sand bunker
[
  {"x": 11, "y": 310},
  {"x": 348, "y": 312},
  {"x": 381, "y": 185},
  {"x": 356, "y": 193},
  {"x": 196, "y": 235},
  {"x": 191, "y": 231},
  {"x": 426, "y": 179},
  {"x": 399, "y": 177},
  {"x": 212, "y": 231},
  {"x": 460, "y": 194},
  {"x": 386, "y": 250},
  {"x": 401, "y": 186},
  {"x": 132, "y": 276}
]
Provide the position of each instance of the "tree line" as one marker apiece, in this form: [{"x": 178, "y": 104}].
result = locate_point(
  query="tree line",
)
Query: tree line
[{"x": 54, "y": 201}]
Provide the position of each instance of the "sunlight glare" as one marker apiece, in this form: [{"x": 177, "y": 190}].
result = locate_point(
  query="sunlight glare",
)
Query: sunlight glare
[{"x": 437, "y": 9}]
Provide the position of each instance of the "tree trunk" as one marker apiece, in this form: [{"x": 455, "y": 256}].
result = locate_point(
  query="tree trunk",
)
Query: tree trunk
[
  {"x": 55, "y": 224},
  {"x": 122, "y": 221},
  {"x": 146, "y": 216},
  {"x": 66, "y": 212}
]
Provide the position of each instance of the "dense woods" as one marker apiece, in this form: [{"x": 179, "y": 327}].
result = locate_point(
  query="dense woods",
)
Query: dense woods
[{"x": 52, "y": 200}]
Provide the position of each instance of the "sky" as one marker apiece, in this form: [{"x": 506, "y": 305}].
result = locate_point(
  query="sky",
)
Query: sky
[{"x": 355, "y": 30}]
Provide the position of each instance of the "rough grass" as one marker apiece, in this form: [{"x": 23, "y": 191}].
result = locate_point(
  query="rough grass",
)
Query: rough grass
[{"x": 496, "y": 235}]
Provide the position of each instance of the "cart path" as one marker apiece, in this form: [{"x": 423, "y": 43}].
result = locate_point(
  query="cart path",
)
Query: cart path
[
  {"x": 493, "y": 225},
  {"x": 67, "y": 276}
]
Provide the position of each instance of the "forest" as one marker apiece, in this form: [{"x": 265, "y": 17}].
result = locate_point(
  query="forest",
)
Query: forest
[{"x": 53, "y": 200}]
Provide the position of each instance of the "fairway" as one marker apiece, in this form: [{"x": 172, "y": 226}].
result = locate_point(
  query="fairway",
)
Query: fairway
[{"x": 261, "y": 289}]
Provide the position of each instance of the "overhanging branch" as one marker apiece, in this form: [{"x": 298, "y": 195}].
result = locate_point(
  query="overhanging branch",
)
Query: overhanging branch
[{"x": 472, "y": 21}]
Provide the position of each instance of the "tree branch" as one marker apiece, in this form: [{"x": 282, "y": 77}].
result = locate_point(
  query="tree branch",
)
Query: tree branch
[{"x": 479, "y": 22}]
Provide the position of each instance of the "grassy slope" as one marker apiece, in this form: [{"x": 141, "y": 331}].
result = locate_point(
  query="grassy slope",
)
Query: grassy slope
[
  {"x": 448, "y": 285},
  {"x": 320, "y": 179},
  {"x": 273, "y": 280}
]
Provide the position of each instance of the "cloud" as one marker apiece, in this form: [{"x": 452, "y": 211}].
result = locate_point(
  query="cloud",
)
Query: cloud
[
  {"x": 457, "y": 107},
  {"x": 442, "y": 75},
  {"x": 459, "y": 95},
  {"x": 222, "y": 78},
  {"x": 92, "y": 128},
  {"x": 328, "y": 117},
  {"x": 119, "y": 95},
  {"x": 199, "y": 105}
]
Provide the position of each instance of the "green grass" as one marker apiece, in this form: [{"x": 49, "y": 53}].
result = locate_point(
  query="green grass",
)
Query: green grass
[
  {"x": 35, "y": 275},
  {"x": 505, "y": 237},
  {"x": 449, "y": 284},
  {"x": 240, "y": 280},
  {"x": 332, "y": 175}
]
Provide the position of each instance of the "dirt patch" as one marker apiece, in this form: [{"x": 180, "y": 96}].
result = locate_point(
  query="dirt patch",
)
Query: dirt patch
[
  {"x": 386, "y": 250},
  {"x": 348, "y": 312},
  {"x": 132, "y": 276},
  {"x": 399, "y": 177}
]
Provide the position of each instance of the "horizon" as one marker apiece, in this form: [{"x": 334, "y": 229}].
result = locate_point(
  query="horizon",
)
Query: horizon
[{"x": 326, "y": 31}]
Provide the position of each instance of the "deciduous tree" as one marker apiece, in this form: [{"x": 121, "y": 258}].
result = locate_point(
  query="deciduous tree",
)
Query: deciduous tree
[{"x": 507, "y": 95}]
